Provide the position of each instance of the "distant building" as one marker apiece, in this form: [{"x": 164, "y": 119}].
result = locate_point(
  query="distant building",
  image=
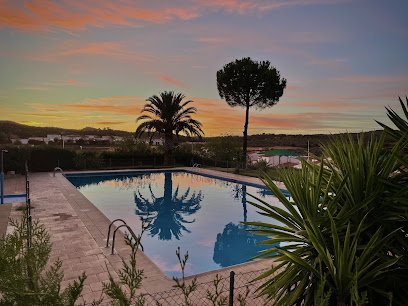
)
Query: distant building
[
  {"x": 72, "y": 138},
  {"x": 157, "y": 141},
  {"x": 118, "y": 138},
  {"x": 280, "y": 157},
  {"x": 36, "y": 138},
  {"x": 52, "y": 137},
  {"x": 107, "y": 138},
  {"x": 254, "y": 157}
]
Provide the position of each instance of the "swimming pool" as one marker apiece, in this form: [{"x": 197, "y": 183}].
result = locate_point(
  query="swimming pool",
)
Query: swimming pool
[{"x": 197, "y": 212}]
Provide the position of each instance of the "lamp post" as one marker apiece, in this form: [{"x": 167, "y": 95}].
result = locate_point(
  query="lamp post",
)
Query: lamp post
[{"x": 2, "y": 175}]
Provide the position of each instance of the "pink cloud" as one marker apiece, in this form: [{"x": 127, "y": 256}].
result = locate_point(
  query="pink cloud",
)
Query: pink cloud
[
  {"x": 371, "y": 79},
  {"x": 98, "y": 48},
  {"x": 73, "y": 82},
  {"x": 337, "y": 105},
  {"x": 46, "y": 15},
  {"x": 328, "y": 62},
  {"x": 174, "y": 82},
  {"x": 43, "y": 15},
  {"x": 35, "y": 88},
  {"x": 212, "y": 40}
]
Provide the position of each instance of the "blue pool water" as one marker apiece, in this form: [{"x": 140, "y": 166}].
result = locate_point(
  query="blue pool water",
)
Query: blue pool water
[{"x": 201, "y": 214}]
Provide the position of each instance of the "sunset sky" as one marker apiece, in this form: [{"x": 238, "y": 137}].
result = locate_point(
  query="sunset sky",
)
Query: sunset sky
[{"x": 83, "y": 63}]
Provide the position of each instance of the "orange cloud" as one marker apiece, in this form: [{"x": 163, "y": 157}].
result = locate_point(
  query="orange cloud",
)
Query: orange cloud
[
  {"x": 116, "y": 104},
  {"x": 73, "y": 82},
  {"x": 109, "y": 123},
  {"x": 171, "y": 81},
  {"x": 35, "y": 115},
  {"x": 212, "y": 40},
  {"x": 98, "y": 48},
  {"x": 34, "y": 88},
  {"x": 107, "y": 48},
  {"x": 328, "y": 105},
  {"x": 46, "y": 15}
]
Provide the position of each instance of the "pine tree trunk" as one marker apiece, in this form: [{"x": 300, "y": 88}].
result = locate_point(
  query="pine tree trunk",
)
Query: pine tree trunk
[
  {"x": 168, "y": 149},
  {"x": 245, "y": 144}
]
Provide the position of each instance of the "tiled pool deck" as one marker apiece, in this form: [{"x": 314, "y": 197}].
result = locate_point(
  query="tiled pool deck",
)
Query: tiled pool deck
[{"x": 78, "y": 232}]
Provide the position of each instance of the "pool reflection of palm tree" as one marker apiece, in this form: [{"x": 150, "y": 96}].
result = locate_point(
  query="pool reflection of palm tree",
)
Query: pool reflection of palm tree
[
  {"x": 240, "y": 194},
  {"x": 168, "y": 213}
]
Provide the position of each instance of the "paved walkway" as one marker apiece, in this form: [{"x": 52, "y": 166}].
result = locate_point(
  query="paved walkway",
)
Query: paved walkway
[
  {"x": 13, "y": 184},
  {"x": 78, "y": 232}
]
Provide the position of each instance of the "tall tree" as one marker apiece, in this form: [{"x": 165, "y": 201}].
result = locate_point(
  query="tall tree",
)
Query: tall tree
[
  {"x": 247, "y": 83},
  {"x": 169, "y": 115}
]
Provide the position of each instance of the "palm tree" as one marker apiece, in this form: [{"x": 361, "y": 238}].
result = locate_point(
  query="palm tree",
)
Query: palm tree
[
  {"x": 169, "y": 115},
  {"x": 167, "y": 213}
]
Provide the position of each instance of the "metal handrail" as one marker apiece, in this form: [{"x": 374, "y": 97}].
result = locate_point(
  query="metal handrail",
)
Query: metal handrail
[
  {"x": 131, "y": 233},
  {"x": 109, "y": 230},
  {"x": 56, "y": 169}
]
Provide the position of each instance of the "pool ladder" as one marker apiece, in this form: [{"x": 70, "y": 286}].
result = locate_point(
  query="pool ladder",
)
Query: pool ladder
[
  {"x": 197, "y": 166},
  {"x": 114, "y": 235},
  {"x": 56, "y": 169}
]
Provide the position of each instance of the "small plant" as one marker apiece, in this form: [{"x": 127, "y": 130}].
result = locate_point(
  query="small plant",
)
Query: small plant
[
  {"x": 215, "y": 298},
  {"x": 90, "y": 160},
  {"x": 261, "y": 166},
  {"x": 129, "y": 276},
  {"x": 243, "y": 297},
  {"x": 23, "y": 207},
  {"x": 23, "y": 278},
  {"x": 187, "y": 290}
]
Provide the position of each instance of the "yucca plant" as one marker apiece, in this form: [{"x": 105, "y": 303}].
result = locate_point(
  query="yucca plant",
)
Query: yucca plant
[
  {"x": 341, "y": 232},
  {"x": 401, "y": 123}
]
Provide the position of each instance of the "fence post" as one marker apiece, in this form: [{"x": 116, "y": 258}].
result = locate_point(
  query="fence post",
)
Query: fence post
[
  {"x": 110, "y": 162},
  {"x": 231, "y": 292}
]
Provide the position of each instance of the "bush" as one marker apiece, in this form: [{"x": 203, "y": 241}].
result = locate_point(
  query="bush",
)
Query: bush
[
  {"x": 46, "y": 158},
  {"x": 224, "y": 148},
  {"x": 88, "y": 160},
  {"x": 23, "y": 278},
  {"x": 15, "y": 159},
  {"x": 261, "y": 166}
]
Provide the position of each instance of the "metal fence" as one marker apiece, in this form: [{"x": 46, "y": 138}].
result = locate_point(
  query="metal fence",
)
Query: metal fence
[
  {"x": 236, "y": 289},
  {"x": 28, "y": 206},
  {"x": 188, "y": 161}
]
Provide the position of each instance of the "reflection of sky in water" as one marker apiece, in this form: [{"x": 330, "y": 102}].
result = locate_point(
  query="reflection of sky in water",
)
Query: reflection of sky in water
[{"x": 202, "y": 215}]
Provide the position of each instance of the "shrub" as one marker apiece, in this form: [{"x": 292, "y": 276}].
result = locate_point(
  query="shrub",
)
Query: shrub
[
  {"x": 15, "y": 159},
  {"x": 261, "y": 166},
  {"x": 88, "y": 160},
  {"x": 23, "y": 278},
  {"x": 46, "y": 158}
]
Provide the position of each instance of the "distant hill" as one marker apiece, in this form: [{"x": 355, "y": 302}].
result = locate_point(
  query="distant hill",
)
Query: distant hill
[
  {"x": 10, "y": 128},
  {"x": 24, "y": 131}
]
